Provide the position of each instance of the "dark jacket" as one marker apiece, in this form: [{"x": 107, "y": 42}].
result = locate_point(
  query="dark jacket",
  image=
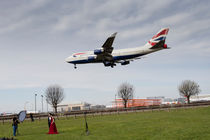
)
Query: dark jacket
[{"x": 15, "y": 122}]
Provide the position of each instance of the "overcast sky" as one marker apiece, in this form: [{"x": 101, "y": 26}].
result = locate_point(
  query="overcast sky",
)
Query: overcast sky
[{"x": 37, "y": 35}]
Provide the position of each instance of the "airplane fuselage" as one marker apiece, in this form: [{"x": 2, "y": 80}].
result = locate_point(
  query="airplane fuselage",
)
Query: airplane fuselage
[{"x": 117, "y": 55}]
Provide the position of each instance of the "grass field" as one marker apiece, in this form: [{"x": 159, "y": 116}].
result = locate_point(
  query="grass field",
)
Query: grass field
[{"x": 181, "y": 124}]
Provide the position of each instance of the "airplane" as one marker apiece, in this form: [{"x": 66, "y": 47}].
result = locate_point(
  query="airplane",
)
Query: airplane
[{"x": 109, "y": 57}]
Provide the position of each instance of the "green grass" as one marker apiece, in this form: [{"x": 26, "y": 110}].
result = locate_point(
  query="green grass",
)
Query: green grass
[{"x": 182, "y": 124}]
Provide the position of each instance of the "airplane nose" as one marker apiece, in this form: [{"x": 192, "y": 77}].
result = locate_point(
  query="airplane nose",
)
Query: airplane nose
[{"x": 68, "y": 59}]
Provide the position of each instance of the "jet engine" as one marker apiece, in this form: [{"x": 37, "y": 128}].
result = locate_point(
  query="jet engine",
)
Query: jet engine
[
  {"x": 107, "y": 63},
  {"x": 125, "y": 63},
  {"x": 98, "y": 51}
]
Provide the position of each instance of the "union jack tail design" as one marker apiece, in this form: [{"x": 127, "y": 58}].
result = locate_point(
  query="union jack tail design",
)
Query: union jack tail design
[{"x": 160, "y": 36}]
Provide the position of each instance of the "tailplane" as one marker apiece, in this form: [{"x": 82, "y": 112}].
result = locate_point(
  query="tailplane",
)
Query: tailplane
[{"x": 158, "y": 40}]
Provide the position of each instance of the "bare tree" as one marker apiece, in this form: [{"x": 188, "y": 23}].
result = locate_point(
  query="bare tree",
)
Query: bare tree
[
  {"x": 54, "y": 95},
  {"x": 125, "y": 91},
  {"x": 188, "y": 88}
]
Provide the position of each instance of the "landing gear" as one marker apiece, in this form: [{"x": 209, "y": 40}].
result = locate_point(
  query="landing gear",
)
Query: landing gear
[
  {"x": 75, "y": 66},
  {"x": 112, "y": 65},
  {"x": 108, "y": 63}
]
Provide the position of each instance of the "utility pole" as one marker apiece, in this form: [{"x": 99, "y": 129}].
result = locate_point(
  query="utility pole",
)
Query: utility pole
[
  {"x": 35, "y": 102},
  {"x": 47, "y": 106},
  {"x": 42, "y": 103},
  {"x": 115, "y": 101},
  {"x": 86, "y": 124}
]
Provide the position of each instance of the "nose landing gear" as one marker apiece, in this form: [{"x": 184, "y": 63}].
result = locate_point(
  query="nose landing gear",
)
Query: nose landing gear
[
  {"x": 75, "y": 66},
  {"x": 112, "y": 65}
]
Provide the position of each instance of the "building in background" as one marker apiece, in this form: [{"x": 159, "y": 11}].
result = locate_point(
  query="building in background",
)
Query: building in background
[
  {"x": 74, "y": 107},
  {"x": 181, "y": 100},
  {"x": 169, "y": 101},
  {"x": 118, "y": 103},
  {"x": 97, "y": 107},
  {"x": 198, "y": 98},
  {"x": 149, "y": 101},
  {"x": 79, "y": 107}
]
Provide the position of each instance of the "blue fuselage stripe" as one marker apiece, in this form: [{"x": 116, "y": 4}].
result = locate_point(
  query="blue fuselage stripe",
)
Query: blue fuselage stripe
[
  {"x": 123, "y": 57},
  {"x": 120, "y": 57}
]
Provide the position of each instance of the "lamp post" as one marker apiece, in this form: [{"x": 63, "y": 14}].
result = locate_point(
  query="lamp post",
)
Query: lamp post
[
  {"x": 47, "y": 106},
  {"x": 115, "y": 101},
  {"x": 35, "y": 102},
  {"x": 42, "y": 103}
]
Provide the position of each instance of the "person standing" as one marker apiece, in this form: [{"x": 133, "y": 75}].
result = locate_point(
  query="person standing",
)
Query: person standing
[
  {"x": 15, "y": 125},
  {"x": 49, "y": 119},
  {"x": 52, "y": 129},
  {"x": 31, "y": 116}
]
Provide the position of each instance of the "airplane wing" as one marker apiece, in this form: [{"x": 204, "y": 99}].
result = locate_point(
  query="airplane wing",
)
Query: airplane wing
[
  {"x": 107, "y": 46},
  {"x": 105, "y": 53}
]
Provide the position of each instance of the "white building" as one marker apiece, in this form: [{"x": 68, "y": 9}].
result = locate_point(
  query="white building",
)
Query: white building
[
  {"x": 164, "y": 100},
  {"x": 202, "y": 97},
  {"x": 73, "y": 107}
]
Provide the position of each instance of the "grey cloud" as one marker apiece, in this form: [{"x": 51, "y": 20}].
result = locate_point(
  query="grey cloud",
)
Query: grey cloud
[{"x": 17, "y": 14}]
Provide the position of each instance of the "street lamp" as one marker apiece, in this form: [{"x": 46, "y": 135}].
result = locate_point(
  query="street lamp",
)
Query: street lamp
[
  {"x": 115, "y": 101},
  {"x": 42, "y": 102},
  {"x": 47, "y": 106},
  {"x": 35, "y": 102}
]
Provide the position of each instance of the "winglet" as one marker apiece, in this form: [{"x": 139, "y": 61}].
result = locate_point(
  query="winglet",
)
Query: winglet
[{"x": 114, "y": 34}]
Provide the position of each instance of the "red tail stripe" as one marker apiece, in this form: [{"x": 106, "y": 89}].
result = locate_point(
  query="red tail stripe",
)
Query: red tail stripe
[
  {"x": 152, "y": 43},
  {"x": 164, "y": 32}
]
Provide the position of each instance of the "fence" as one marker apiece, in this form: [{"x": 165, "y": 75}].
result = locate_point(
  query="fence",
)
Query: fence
[{"x": 75, "y": 114}]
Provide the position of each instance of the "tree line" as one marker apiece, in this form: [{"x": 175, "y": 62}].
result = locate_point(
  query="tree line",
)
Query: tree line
[{"x": 55, "y": 94}]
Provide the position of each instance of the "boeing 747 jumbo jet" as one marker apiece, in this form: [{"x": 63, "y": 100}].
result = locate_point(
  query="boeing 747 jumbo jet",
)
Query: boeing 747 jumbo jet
[{"x": 110, "y": 57}]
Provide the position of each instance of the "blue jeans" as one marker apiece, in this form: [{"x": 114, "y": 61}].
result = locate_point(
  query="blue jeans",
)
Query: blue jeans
[{"x": 14, "y": 130}]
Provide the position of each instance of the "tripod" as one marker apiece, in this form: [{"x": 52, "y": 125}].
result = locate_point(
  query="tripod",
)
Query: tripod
[{"x": 86, "y": 124}]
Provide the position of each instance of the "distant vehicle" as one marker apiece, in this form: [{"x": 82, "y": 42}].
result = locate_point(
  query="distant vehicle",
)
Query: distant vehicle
[
  {"x": 6, "y": 114},
  {"x": 110, "y": 57}
]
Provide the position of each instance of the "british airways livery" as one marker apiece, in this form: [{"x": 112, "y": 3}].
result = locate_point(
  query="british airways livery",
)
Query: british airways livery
[{"x": 109, "y": 57}]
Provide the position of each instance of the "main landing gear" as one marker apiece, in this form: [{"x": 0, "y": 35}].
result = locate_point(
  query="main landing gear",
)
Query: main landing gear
[
  {"x": 108, "y": 63},
  {"x": 112, "y": 65}
]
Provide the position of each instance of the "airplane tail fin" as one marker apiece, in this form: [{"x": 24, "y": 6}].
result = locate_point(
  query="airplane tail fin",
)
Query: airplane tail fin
[{"x": 158, "y": 40}]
